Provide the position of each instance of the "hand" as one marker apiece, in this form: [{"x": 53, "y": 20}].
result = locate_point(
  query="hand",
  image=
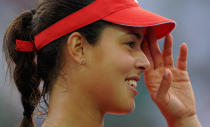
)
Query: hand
[{"x": 169, "y": 86}]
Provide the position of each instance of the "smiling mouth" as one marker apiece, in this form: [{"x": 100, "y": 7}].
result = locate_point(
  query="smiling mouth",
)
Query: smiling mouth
[{"x": 132, "y": 83}]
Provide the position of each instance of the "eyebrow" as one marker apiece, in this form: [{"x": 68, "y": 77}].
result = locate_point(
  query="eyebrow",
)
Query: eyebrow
[{"x": 137, "y": 35}]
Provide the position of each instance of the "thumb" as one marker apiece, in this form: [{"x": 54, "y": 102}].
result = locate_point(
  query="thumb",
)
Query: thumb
[{"x": 162, "y": 93}]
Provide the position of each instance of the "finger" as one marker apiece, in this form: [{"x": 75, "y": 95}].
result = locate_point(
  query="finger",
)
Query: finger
[
  {"x": 182, "y": 58},
  {"x": 167, "y": 51},
  {"x": 162, "y": 94},
  {"x": 146, "y": 50},
  {"x": 155, "y": 50}
]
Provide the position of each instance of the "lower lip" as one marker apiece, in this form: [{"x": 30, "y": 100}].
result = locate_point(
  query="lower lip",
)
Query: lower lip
[{"x": 135, "y": 91}]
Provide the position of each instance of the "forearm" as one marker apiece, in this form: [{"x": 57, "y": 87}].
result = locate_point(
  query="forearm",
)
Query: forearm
[{"x": 187, "y": 122}]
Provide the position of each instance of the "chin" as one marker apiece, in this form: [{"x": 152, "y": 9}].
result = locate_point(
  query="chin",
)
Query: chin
[{"x": 123, "y": 110}]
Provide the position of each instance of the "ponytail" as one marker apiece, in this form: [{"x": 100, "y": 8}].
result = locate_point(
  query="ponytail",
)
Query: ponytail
[
  {"x": 25, "y": 67},
  {"x": 29, "y": 68}
]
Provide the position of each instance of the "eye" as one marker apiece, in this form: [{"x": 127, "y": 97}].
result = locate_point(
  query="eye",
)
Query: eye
[{"x": 131, "y": 44}]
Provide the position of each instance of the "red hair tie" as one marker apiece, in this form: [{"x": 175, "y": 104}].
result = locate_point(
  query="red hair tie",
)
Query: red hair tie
[{"x": 25, "y": 46}]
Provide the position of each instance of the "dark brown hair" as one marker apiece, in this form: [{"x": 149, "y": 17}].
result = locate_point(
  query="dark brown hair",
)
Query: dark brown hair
[{"x": 28, "y": 69}]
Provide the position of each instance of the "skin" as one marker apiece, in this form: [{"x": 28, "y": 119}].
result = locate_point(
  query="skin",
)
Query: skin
[
  {"x": 118, "y": 55},
  {"x": 169, "y": 86}
]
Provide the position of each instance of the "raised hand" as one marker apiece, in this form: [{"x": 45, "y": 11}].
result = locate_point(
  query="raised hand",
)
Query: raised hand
[{"x": 169, "y": 86}]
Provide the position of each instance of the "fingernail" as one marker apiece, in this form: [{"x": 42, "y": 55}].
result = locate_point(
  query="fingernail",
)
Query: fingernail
[
  {"x": 171, "y": 35},
  {"x": 166, "y": 73}
]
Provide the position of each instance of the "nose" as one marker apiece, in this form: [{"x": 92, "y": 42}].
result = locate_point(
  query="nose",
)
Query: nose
[{"x": 142, "y": 63}]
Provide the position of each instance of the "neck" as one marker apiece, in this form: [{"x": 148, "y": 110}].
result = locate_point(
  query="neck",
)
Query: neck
[{"x": 69, "y": 108}]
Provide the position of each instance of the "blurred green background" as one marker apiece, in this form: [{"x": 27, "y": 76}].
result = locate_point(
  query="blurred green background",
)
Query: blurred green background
[{"x": 192, "y": 17}]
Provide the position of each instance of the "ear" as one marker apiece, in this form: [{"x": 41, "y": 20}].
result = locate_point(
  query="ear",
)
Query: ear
[{"x": 76, "y": 46}]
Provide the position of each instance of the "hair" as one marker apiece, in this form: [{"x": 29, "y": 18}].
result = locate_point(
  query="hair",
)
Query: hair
[{"x": 28, "y": 69}]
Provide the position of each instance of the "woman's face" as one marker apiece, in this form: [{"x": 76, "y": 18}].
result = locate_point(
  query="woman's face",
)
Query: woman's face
[{"x": 117, "y": 56}]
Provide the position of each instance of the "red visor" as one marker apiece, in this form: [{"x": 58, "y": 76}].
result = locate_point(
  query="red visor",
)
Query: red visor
[{"x": 122, "y": 12}]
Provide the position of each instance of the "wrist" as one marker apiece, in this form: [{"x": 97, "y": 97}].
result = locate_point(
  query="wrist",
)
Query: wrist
[{"x": 191, "y": 121}]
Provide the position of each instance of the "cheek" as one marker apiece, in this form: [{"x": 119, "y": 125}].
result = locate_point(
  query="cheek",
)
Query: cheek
[
  {"x": 112, "y": 59},
  {"x": 110, "y": 67},
  {"x": 121, "y": 61}
]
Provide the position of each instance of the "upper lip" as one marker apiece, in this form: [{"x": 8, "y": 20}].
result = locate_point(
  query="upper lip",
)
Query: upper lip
[{"x": 136, "y": 78}]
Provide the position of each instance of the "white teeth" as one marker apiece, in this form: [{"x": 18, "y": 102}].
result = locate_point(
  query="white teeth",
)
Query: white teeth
[{"x": 132, "y": 83}]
